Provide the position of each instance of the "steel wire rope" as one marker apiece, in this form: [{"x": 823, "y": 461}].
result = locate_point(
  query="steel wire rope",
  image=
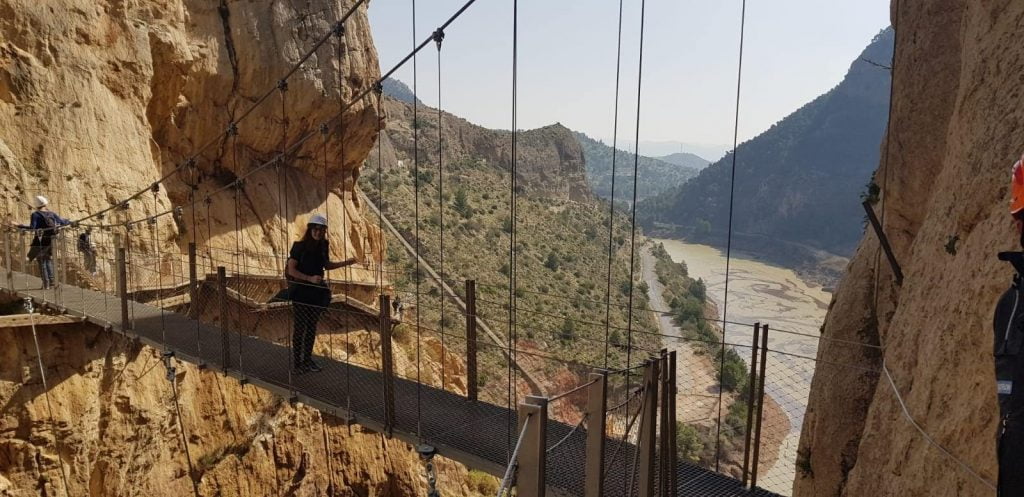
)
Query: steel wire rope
[
  {"x": 181, "y": 429},
  {"x": 46, "y": 392},
  {"x": 309, "y": 134},
  {"x": 155, "y": 227},
  {"x": 928, "y": 438},
  {"x": 569, "y": 435},
  {"x": 611, "y": 202},
  {"x": 295, "y": 67},
  {"x": 416, "y": 222},
  {"x": 625, "y": 434},
  {"x": 512, "y": 359},
  {"x": 632, "y": 224},
  {"x": 438, "y": 39},
  {"x": 885, "y": 176},
  {"x": 506, "y": 481},
  {"x": 728, "y": 242}
]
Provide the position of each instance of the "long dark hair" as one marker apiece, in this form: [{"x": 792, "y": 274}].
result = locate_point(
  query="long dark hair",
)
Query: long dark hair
[{"x": 310, "y": 243}]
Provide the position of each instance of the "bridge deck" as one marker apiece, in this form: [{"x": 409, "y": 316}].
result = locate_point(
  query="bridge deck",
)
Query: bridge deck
[{"x": 474, "y": 433}]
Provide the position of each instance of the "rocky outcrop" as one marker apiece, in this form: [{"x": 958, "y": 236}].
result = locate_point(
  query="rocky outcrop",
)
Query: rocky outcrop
[{"x": 944, "y": 183}]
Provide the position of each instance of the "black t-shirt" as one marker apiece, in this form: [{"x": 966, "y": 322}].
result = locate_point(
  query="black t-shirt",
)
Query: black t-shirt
[{"x": 311, "y": 257}]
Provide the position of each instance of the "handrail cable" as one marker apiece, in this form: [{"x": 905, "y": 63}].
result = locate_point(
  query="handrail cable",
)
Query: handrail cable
[
  {"x": 728, "y": 243},
  {"x": 611, "y": 202},
  {"x": 416, "y": 221}
]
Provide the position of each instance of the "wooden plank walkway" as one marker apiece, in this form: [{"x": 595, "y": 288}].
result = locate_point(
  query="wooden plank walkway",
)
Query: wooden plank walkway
[{"x": 474, "y": 433}]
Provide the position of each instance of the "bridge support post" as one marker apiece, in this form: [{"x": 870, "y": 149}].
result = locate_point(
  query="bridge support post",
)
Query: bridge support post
[
  {"x": 225, "y": 340},
  {"x": 122, "y": 286},
  {"x": 193, "y": 288},
  {"x": 752, "y": 385},
  {"x": 387, "y": 364},
  {"x": 8, "y": 257},
  {"x": 532, "y": 459},
  {"x": 648, "y": 428},
  {"x": 667, "y": 461},
  {"x": 472, "y": 390},
  {"x": 597, "y": 404},
  {"x": 760, "y": 404}
]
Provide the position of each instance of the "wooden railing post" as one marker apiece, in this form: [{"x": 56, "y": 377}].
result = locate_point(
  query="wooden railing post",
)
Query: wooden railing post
[
  {"x": 387, "y": 364},
  {"x": 472, "y": 389},
  {"x": 752, "y": 385},
  {"x": 193, "y": 281},
  {"x": 225, "y": 340},
  {"x": 597, "y": 404},
  {"x": 760, "y": 404},
  {"x": 122, "y": 286},
  {"x": 530, "y": 479},
  {"x": 648, "y": 428}
]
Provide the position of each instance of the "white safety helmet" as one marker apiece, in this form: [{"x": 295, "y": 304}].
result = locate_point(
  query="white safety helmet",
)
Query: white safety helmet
[
  {"x": 317, "y": 219},
  {"x": 41, "y": 201}
]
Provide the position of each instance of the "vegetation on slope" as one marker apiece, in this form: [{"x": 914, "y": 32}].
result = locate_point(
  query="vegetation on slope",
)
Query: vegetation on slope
[
  {"x": 561, "y": 246},
  {"x": 656, "y": 176},
  {"x": 799, "y": 181}
]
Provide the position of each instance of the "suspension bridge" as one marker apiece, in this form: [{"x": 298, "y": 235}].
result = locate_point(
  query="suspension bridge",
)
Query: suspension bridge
[{"x": 220, "y": 309}]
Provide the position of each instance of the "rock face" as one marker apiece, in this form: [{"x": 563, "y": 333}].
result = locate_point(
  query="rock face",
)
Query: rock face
[
  {"x": 109, "y": 415},
  {"x": 97, "y": 101},
  {"x": 944, "y": 174}
]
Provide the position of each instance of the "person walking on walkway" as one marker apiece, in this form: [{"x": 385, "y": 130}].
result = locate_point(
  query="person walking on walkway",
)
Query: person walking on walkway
[
  {"x": 310, "y": 295},
  {"x": 1008, "y": 328},
  {"x": 44, "y": 224},
  {"x": 88, "y": 250}
]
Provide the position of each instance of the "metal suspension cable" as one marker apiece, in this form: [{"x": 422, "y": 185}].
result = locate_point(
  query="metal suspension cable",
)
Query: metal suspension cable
[
  {"x": 611, "y": 202},
  {"x": 46, "y": 391},
  {"x": 223, "y": 134},
  {"x": 416, "y": 221},
  {"x": 632, "y": 224},
  {"x": 172, "y": 378},
  {"x": 506, "y": 480},
  {"x": 885, "y": 176},
  {"x": 380, "y": 195},
  {"x": 510, "y": 395},
  {"x": 438, "y": 39},
  {"x": 728, "y": 242},
  {"x": 309, "y": 134},
  {"x": 569, "y": 435}
]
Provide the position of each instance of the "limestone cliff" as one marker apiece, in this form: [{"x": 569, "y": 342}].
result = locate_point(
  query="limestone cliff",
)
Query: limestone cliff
[
  {"x": 944, "y": 178},
  {"x": 99, "y": 99}
]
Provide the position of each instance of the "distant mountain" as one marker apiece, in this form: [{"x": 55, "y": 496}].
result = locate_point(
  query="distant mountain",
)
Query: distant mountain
[
  {"x": 686, "y": 160},
  {"x": 656, "y": 176},
  {"x": 399, "y": 91},
  {"x": 798, "y": 184}
]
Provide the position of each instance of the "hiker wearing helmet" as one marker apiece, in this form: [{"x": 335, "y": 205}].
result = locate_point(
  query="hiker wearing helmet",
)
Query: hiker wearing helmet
[
  {"x": 1008, "y": 326},
  {"x": 43, "y": 223},
  {"x": 310, "y": 295}
]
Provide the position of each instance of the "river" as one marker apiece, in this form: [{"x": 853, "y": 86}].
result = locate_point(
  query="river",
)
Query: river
[{"x": 794, "y": 311}]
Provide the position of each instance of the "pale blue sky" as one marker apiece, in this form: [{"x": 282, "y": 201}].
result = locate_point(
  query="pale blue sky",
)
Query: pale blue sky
[{"x": 794, "y": 51}]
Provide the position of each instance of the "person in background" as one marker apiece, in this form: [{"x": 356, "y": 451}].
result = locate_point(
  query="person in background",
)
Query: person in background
[
  {"x": 310, "y": 295},
  {"x": 44, "y": 224},
  {"x": 88, "y": 250},
  {"x": 1008, "y": 329}
]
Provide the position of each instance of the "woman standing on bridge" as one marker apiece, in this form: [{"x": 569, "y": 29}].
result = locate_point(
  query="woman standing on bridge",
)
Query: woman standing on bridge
[{"x": 310, "y": 295}]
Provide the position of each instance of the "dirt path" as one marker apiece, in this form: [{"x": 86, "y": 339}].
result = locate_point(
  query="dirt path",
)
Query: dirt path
[{"x": 697, "y": 397}]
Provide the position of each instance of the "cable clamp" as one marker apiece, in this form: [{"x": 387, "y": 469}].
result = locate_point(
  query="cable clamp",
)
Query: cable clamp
[
  {"x": 155, "y": 188},
  {"x": 233, "y": 126},
  {"x": 438, "y": 37},
  {"x": 151, "y": 220},
  {"x": 338, "y": 29},
  {"x": 282, "y": 84},
  {"x": 166, "y": 357},
  {"x": 378, "y": 88},
  {"x": 323, "y": 128}
]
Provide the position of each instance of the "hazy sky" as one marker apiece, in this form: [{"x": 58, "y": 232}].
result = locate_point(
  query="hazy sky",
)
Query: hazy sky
[{"x": 794, "y": 51}]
